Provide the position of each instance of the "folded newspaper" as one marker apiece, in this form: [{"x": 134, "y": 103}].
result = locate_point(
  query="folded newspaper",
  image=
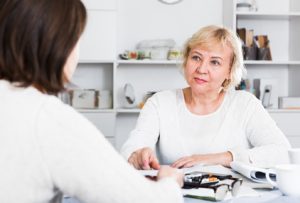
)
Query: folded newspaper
[{"x": 252, "y": 172}]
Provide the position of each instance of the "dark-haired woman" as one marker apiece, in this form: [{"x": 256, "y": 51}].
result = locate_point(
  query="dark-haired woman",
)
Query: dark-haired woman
[{"x": 47, "y": 149}]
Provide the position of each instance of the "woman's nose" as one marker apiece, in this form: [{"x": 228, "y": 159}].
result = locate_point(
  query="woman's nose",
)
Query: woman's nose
[{"x": 202, "y": 67}]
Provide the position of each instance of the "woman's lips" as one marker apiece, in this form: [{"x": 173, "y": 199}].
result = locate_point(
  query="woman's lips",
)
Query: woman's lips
[{"x": 200, "y": 81}]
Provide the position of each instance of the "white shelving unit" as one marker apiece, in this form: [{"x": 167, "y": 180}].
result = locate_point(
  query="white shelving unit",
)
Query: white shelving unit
[{"x": 280, "y": 20}]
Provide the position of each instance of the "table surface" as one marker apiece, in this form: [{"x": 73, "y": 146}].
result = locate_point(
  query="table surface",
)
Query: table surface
[{"x": 274, "y": 196}]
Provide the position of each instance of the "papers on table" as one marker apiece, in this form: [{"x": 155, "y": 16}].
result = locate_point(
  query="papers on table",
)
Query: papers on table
[
  {"x": 205, "y": 193},
  {"x": 148, "y": 172},
  {"x": 253, "y": 173}
]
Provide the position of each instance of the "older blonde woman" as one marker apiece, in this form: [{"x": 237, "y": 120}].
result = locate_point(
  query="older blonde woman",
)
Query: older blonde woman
[{"x": 208, "y": 121}]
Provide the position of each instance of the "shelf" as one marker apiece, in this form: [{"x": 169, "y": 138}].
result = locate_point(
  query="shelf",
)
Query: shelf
[
  {"x": 258, "y": 62},
  {"x": 173, "y": 62},
  {"x": 96, "y": 61},
  {"x": 136, "y": 111},
  {"x": 128, "y": 110},
  {"x": 96, "y": 110},
  {"x": 149, "y": 62},
  {"x": 108, "y": 110},
  {"x": 283, "y": 110},
  {"x": 270, "y": 16}
]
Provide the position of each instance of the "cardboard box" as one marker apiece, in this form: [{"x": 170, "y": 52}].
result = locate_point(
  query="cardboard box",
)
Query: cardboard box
[
  {"x": 289, "y": 102},
  {"x": 84, "y": 98}
]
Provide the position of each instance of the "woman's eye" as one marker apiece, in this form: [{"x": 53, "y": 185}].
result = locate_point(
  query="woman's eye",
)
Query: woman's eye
[
  {"x": 215, "y": 63},
  {"x": 196, "y": 58}
]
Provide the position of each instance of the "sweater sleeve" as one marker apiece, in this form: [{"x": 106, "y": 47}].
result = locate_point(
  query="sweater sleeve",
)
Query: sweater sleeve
[
  {"x": 82, "y": 164},
  {"x": 269, "y": 144},
  {"x": 146, "y": 131}
]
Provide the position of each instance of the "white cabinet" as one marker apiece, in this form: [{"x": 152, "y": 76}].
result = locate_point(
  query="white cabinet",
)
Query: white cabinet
[
  {"x": 280, "y": 20},
  {"x": 105, "y": 121},
  {"x": 288, "y": 122}
]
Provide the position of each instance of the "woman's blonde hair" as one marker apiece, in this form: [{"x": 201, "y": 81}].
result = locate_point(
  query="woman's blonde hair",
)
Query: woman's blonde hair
[{"x": 212, "y": 35}]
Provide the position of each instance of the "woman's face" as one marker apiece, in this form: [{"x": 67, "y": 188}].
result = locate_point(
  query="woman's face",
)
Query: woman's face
[
  {"x": 206, "y": 70},
  {"x": 71, "y": 63}
]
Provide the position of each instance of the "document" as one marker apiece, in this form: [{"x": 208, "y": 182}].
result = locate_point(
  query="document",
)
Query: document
[
  {"x": 252, "y": 172},
  {"x": 205, "y": 194},
  {"x": 200, "y": 167}
]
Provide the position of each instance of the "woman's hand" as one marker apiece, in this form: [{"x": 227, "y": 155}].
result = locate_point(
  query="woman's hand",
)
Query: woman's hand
[
  {"x": 144, "y": 159},
  {"x": 166, "y": 171},
  {"x": 219, "y": 158}
]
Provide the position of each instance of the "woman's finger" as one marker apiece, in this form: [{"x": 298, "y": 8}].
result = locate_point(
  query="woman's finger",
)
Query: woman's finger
[
  {"x": 133, "y": 161},
  {"x": 154, "y": 162},
  {"x": 180, "y": 163},
  {"x": 145, "y": 159}
]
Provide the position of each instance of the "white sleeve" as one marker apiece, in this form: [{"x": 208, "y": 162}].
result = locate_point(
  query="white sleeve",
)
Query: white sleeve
[
  {"x": 269, "y": 143},
  {"x": 82, "y": 164},
  {"x": 146, "y": 132}
]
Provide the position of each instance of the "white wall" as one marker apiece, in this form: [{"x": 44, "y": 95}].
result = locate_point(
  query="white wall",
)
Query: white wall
[
  {"x": 149, "y": 19},
  {"x": 98, "y": 41},
  {"x": 273, "y": 6}
]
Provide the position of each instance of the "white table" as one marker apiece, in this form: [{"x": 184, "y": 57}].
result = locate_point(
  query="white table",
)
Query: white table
[
  {"x": 267, "y": 197},
  {"x": 274, "y": 196}
]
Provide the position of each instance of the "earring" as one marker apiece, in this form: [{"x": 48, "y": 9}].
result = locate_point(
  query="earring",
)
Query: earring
[{"x": 225, "y": 83}]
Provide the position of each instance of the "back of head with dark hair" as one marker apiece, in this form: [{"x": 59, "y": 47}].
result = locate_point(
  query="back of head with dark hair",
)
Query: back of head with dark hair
[{"x": 36, "y": 38}]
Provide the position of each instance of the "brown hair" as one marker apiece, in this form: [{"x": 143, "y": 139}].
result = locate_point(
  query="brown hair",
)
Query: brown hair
[
  {"x": 36, "y": 38},
  {"x": 212, "y": 35}
]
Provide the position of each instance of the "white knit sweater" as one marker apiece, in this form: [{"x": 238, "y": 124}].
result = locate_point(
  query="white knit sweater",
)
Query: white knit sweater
[
  {"x": 240, "y": 125},
  {"x": 47, "y": 149}
]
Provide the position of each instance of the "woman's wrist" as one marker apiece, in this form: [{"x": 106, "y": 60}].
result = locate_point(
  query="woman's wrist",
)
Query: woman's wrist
[
  {"x": 227, "y": 158},
  {"x": 223, "y": 158}
]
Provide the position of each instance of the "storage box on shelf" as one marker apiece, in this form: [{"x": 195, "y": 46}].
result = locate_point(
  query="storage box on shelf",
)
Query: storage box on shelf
[{"x": 96, "y": 76}]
